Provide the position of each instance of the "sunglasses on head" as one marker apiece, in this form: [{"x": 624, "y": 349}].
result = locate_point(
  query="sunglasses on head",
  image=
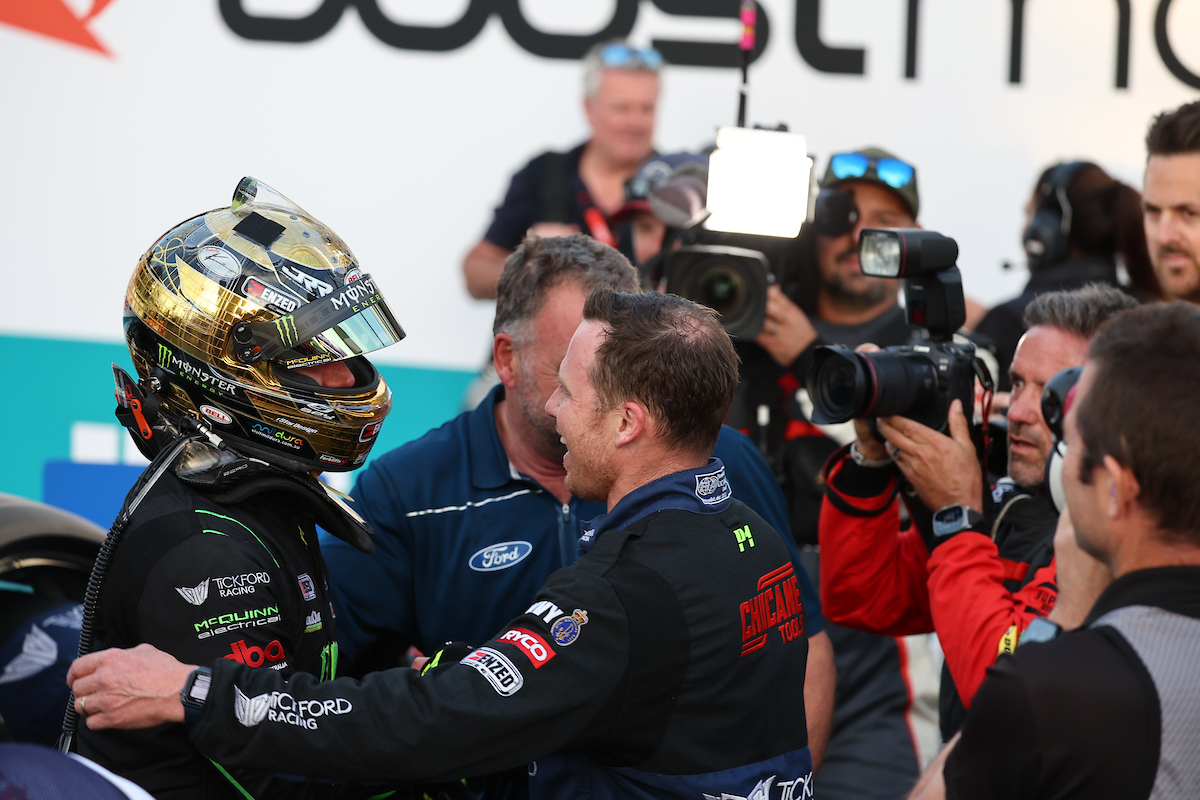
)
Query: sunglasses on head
[
  {"x": 892, "y": 171},
  {"x": 621, "y": 55}
]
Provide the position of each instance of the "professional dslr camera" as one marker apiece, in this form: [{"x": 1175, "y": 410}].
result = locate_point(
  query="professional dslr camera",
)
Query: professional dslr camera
[{"x": 917, "y": 381}]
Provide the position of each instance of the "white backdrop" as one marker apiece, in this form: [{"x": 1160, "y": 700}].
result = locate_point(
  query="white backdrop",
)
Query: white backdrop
[{"x": 405, "y": 153}]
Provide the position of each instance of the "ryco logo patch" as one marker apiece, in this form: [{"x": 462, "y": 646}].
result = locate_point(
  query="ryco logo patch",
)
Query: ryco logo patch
[{"x": 531, "y": 645}]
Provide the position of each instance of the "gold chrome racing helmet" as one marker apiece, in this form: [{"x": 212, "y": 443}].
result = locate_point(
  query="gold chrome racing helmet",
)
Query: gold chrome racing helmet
[{"x": 223, "y": 309}]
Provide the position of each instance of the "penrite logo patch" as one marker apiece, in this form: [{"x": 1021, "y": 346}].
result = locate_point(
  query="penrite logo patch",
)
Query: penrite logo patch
[
  {"x": 499, "y": 671},
  {"x": 712, "y": 487},
  {"x": 532, "y": 645},
  {"x": 500, "y": 556},
  {"x": 777, "y": 605},
  {"x": 195, "y": 595},
  {"x": 254, "y": 656},
  {"x": 566, "y": 630}
]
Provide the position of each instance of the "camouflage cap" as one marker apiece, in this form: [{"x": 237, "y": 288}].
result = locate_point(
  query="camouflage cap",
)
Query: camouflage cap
[{"x": 907, "y": 193}]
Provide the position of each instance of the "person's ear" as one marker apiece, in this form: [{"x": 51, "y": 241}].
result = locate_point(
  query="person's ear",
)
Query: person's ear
[
  {"x": 1123, "y": 487},
  {"x": 506, "y": 359},
  {"x": 632, "y": 422}
]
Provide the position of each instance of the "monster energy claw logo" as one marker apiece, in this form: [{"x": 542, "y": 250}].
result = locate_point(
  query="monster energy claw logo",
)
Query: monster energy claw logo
[
  {"x": 164, "y": 355},
  {"x": 286, "y": 326}
]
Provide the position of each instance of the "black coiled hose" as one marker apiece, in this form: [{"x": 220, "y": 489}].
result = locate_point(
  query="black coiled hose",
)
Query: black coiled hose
[{"x": 100, "y": 569}]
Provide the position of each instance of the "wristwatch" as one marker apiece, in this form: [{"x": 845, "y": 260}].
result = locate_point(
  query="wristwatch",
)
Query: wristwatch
[
  {"x": 194, "y": 693},
  {"x": 863, "y": 461},
  {"x": 949, "y": 520},
  {"x": 1040, "y": 629}
]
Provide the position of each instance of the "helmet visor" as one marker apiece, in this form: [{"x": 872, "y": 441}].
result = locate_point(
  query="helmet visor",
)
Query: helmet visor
[
  {"x": 353, "y": 320},
  {"x": 372, "y": 328}
]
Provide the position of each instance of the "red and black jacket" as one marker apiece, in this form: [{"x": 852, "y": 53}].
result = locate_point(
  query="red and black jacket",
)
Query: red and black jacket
[{"x": 977, "y": 591}]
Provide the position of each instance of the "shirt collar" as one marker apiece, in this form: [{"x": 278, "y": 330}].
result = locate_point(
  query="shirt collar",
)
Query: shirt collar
[
  {"x": 1174, "y": 589},
  {"x": 490, "y": 467},
  {"x": 703, "y": 490}
]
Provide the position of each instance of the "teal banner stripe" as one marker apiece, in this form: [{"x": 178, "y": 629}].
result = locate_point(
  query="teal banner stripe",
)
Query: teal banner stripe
[{"x": 53, "y": 383}]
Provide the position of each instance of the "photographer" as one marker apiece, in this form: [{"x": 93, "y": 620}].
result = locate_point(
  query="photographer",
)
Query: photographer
[
  {"x": 1111, "y": 710},
  {"x": 979, "y": 584}
]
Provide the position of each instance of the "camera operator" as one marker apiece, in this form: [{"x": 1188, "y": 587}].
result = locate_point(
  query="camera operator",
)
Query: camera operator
[
  {"x": 1080, "y": 223},
  {"x": 557, "y": 194},
  {"x": 1171, "y": 201},
  {"x": 1111, "y": 710},
  {"x": 977, "y": 585}
]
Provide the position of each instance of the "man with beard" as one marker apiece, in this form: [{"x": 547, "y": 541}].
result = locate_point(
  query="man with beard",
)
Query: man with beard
[
  {"x": 975, "y": 572},
  {"x": 474, "y": 516},
  {"x": 1171, "y": 201}
]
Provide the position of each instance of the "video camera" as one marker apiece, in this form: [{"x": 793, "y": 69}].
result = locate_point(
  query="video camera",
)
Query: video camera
[
  {"x": 736, "y": 239},
  {"x": 917, "y": 381}
]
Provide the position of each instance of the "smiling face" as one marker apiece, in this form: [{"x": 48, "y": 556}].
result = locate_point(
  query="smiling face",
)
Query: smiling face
[
  {"x": 1171, "y": 214},
  {"x": 543, "y": 344},
  {"x": 582, "y": 423},
  {"x": 1041, "y": 353},
  {"x": 837, "y": 256}
]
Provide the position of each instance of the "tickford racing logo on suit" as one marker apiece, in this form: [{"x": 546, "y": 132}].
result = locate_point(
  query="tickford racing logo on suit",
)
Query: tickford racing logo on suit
[{"x": 282, "y": 707}]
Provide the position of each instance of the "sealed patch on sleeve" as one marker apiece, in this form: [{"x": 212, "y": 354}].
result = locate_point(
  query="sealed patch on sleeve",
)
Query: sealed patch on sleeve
[
  {"x": 566, "y": 629},
  {"x": 501, "y": 673}
]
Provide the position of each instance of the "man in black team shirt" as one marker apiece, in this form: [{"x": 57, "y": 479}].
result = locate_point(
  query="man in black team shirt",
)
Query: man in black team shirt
[{"x": 1111, "y": 710}]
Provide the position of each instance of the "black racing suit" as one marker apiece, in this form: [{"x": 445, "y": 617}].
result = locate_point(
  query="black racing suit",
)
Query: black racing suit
[
  {"x": 233, "y": 579},
  {"x": 666, "y": 662}
]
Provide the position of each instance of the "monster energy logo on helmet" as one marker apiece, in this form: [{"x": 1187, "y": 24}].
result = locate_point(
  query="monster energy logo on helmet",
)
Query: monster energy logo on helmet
[
  {"x": 164, "y": 355},
  {"x": 286, "y": 326}
]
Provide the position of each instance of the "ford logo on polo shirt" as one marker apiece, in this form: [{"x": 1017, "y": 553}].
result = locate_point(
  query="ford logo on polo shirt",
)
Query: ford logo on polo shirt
[{"x": 500, "y": 556}]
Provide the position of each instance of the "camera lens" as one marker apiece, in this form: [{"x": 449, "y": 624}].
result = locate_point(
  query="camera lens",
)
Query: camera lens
[
  {"x": 839, "y": 385},
  {"x": 721, "y": 289},
  {"x": 845, "y": 384}
]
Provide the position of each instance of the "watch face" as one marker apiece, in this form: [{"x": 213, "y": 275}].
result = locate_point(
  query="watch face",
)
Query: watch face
[{"x": 952, "y": 517}]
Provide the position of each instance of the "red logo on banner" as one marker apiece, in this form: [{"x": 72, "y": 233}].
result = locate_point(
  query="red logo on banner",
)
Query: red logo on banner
[{"x": 54, "y": 18}]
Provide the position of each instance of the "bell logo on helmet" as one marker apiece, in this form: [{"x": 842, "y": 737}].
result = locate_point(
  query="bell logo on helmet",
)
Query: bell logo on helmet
[
  {"x": 216, "y": 415},
  {"x": 370, "y": 431}
]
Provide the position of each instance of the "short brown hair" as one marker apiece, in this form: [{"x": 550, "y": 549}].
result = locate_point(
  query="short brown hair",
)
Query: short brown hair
[
  {"x": 1080, "y": 311},
  {"x": 541, "y": 263},
  {"x": 1175, "y": 132},
  {"x": 669, "y": 354},
  {"x": 1141, "y": 410}
]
